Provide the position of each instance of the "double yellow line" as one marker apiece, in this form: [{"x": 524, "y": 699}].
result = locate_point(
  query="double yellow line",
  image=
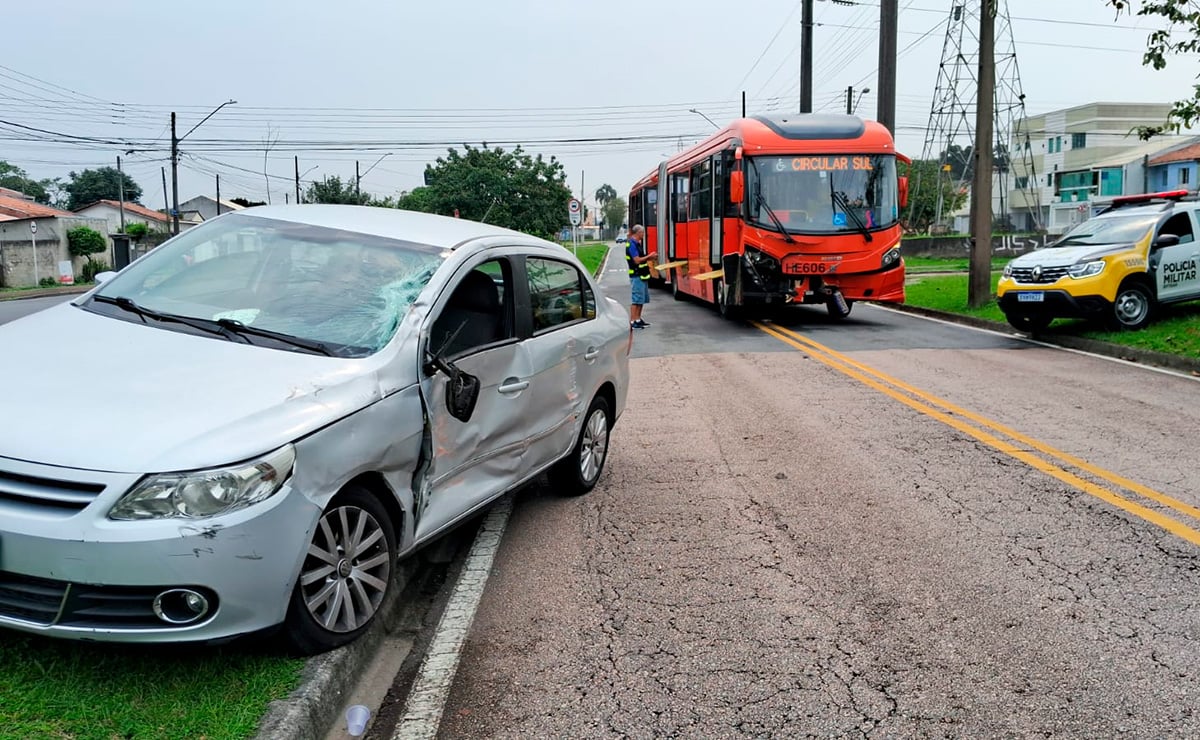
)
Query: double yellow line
[{"x": 1020, "y": 447}]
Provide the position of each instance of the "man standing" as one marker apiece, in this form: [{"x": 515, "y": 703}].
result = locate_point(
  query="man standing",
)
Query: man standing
[{"x": 639, "y": 275}]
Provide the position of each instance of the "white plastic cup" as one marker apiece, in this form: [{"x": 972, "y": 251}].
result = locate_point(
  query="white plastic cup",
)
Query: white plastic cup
[{"x": 356, "y": 719}]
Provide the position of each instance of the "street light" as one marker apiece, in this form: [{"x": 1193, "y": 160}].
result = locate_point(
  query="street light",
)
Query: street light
[
  {"x": 693, "y": 110},
  {"x": 175, "y": 161},
  {"x": 358, "y": 178}
]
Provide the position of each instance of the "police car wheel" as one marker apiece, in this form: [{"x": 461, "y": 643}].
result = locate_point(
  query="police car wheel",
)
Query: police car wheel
[{"x": 1132, "y": 307}]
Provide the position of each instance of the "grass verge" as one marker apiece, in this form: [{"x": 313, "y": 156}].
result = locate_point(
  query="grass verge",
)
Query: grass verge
[
  {"x": 60, "y": 689},
  {"x": 1176, "y": 331},
  {"x": 916, "y": 265},
  {"x": 591, "y": 255}
]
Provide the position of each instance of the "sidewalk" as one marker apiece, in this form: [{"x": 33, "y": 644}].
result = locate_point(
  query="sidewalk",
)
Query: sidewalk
[{"x": 17, "y": 295}]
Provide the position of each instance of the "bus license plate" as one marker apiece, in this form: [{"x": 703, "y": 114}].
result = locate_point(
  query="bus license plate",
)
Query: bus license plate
[
  {"x": 808, "y": 268},
  {"x": 1034, "y": 296}
]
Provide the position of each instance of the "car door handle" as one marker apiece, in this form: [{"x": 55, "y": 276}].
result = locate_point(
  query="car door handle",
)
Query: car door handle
[
  {"x": 591, "y": 354},
  {"x": 513, "y": 385}
]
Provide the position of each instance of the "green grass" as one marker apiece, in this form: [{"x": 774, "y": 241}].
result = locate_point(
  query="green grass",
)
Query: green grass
[
  {"x": 1175, "y": 331},
  {"x": 60, "y": 689},
  {"x": 916, "y": 265},
  {"x": 590, "y": 254}
]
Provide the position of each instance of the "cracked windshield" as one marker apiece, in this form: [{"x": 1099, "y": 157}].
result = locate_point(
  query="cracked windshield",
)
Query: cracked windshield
[
  {"x": 345, "y": 293},
  {"x": 820, "y": 194}
]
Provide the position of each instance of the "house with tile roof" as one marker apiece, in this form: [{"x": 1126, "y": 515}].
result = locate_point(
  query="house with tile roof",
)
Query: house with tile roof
[
  {"x": 1175, "y": 169},
  {"x": 26, "y": 225},
  {"x": 134, "y": 213}
]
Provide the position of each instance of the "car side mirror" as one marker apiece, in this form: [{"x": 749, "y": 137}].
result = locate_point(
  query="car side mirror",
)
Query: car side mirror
[
  {"x": 462, "y": 389},
  {"x": 1166, "y": 240},
  {"x": 902, "y": 182},
  {"x": 104, "y": 277},
  {"x": 737, "y": 186}
]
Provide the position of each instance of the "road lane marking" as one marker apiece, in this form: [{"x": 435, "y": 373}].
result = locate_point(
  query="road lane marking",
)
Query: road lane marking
[
  {"x": 427, "y": 700},
  {"x": 929, "y": 405}
]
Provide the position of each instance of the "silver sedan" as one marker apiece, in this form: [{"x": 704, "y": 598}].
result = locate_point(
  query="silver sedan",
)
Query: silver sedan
[{"x": 246, "y": 428}]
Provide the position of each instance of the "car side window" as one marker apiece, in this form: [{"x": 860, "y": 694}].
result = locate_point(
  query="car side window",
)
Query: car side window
[
  {"x": 1180, "y": 225},
  {"x": 558, "y": 293},
  {"x": 478, "y": 313}
]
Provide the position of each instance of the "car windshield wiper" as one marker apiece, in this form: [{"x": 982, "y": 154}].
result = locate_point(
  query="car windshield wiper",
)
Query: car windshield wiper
[
  {"x": 762, "y": 202},
  {"x": 238, "y": 327},
  {"x": 205, "y": 325},
  {"x": 841, "y": 201}
]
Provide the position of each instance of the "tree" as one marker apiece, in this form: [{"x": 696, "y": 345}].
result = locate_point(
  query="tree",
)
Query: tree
[
  {"x": 89, "y": 186},
  {"x": 15, "y": 178},
  {"x": 604, "y": 194},
  {"x": 924, "y": 186},
  {"x": 506, "y": 188},
  {"x": 83, "y": 241},
  {"x": 614, "y": 211},
  {"x": 333, "y": 190},
  {"x": 1180, "y": 37}
]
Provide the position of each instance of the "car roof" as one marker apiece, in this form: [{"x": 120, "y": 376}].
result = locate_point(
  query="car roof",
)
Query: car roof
[{"x": 395, "y": 223}]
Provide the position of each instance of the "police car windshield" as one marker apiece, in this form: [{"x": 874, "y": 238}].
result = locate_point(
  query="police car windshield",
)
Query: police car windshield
[{"x": 1111, "y": 229}]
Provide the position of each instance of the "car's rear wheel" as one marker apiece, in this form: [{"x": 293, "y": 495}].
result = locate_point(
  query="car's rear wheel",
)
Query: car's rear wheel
[
  {"x": 1132, "y": 307},
  {"x": 577, "y": 473},
  {"x": 1031, "y": 323},
  {"x": 346, "y": 575}
]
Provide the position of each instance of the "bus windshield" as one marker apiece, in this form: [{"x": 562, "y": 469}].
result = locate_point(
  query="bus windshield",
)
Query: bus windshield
[{"x": 823, "y": 193}]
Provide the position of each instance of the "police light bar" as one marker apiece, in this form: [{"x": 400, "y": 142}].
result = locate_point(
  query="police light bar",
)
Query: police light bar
[{"x": 1146, "y": 197}]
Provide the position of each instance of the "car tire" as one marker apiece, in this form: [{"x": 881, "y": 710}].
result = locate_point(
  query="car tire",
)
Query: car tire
[
  {"x": 1132, "y": 308},
  {"x": 721, "y": 298},
  {"x": 835, "y": 310},
  {"x": 314, "y": 625},
  {"x": 1029, "y": 323},
  {"x": 577, "y": 473}
]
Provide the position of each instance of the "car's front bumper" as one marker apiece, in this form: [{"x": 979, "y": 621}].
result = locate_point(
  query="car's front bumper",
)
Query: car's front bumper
[
  {"x": 1057, "y": 304},
  {"x": 67, "y": 571}
]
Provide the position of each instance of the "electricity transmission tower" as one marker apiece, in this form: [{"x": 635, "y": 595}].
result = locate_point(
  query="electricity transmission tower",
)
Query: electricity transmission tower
[{"x": 950, "y": 136}]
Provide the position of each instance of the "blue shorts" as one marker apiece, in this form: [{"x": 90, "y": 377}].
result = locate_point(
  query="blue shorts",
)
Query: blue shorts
[{"x": 641, "y": 292}]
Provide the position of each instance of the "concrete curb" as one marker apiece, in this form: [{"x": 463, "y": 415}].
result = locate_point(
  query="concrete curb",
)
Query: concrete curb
[
  {"x": 44, "y": 292},
  {"x": 314, "y": 706},
  {"x": 1117, "y": 351}
]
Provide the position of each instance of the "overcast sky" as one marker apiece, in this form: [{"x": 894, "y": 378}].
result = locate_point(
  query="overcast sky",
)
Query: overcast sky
[{"x": 335, "y": 82}]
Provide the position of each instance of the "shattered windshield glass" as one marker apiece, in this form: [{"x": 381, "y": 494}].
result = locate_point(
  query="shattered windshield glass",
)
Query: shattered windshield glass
[
  {"x": 343, "y": 290},
  {"x": 824, "y": 194}
]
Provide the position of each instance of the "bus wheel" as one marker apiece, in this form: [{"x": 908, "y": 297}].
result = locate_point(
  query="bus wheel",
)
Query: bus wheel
[
  {"x": 839, "y": 307},
  {"x": 676, "y": 293},
  {"x": 722, "y": 300}
]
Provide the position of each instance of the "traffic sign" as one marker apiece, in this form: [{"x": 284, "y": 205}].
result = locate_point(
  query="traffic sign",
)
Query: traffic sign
[
  {"x": 33, "y": 226},
  {"x": 574, "y": 208}
]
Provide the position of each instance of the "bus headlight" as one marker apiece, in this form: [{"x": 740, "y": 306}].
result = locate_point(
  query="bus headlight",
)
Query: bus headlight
[
  {"x": 891, "y": 256},
  {"x": 1086, "y": 269}
]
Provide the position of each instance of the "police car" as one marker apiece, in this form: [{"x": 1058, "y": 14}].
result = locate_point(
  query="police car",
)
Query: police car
[{"x": 1117, "y": 267}]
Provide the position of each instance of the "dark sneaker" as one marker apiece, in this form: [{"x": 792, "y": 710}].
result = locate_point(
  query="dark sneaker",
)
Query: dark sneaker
[{"x": 639, "y": 324}]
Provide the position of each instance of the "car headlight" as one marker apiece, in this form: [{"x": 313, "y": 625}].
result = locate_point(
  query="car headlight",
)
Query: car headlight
[
  {"x": 1086, "y": 269},
  {"x": 1008, "y": 270},
  {"x": 204, "y": 493}
]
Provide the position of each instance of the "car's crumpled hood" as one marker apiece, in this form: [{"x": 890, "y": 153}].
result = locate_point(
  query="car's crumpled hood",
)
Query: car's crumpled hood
[
  {"x": 1069, "y": 255},
  {"x": 87, "y": 391}
]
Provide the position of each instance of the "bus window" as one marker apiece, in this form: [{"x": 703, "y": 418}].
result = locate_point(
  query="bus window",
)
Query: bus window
[
  {"x": 651, "y": 209},
  {"x": 679, "y": 201},
  {"x": 701, "y": 186},
  {"x": 635, "y": 208}
]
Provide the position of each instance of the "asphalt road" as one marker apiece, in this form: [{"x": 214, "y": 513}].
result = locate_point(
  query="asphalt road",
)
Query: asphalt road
[
  {"x": 12, "y": 310},
  {"x": 908, "y": 528}
]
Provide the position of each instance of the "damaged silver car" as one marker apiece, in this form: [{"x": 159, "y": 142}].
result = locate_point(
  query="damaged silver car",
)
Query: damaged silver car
[{"x": 244, "y": 430}]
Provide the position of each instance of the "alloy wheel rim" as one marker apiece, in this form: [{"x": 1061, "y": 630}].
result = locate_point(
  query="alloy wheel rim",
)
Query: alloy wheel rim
[
  {"x": 347, "y": 570},
  {"x": 594, "y": 446}
]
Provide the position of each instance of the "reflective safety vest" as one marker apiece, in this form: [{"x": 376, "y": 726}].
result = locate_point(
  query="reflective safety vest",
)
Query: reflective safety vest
[{"x": 642, "y": 270}]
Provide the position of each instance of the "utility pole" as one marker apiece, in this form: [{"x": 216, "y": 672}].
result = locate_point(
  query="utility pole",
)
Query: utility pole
[
  {"x": 174, "y": 178},
  {"x": 297, "y": 178},
  {"x": 850, "y": 100},
  {"x": 886, "y": 106},
  {"x": 357, "y": 183},
  {"x": 980, "y": 286},
  {"x": 743, "y": 103},
  {"x": 218, "y": 195},
  {"x": 806, "y": 57},
  {"x": 166, "y": 201},
  {"x": 121, "y": 193}
]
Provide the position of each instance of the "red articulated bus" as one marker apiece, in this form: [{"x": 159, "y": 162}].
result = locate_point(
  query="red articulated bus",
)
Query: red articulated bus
[{"x": 774, "y": 211}]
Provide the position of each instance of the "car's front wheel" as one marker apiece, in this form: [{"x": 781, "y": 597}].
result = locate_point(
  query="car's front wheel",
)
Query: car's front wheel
[
  {"x": 1132, "y": 307},
  {"x": 577, "y": 473},
  {"x": 346, "y": 575}
]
